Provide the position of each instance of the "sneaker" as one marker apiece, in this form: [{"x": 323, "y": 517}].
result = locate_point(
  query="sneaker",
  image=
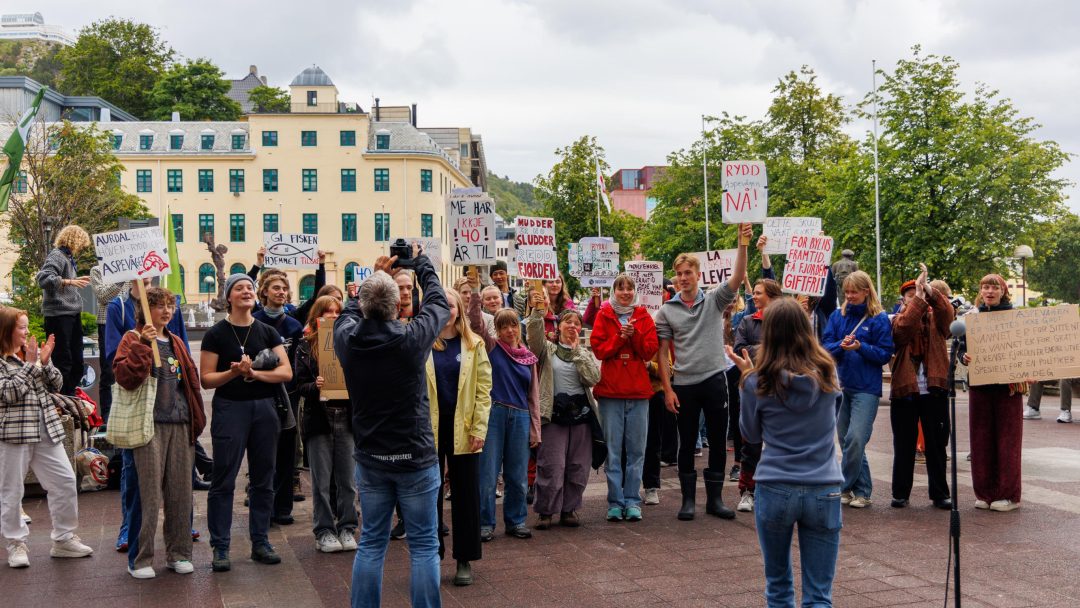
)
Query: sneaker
[
  {"x": 327, "y": 542},
  {"x": 463, "y": 577},
  {"x": 487, "y": 535},
  {"x": 734, "y": 474},
  {"x": 1004, "y": 505},
  {"x": 26, "y": 518},
  {"x": 652, "y": 496},
  {"x": 283, "y": 520},
  {"x": 920, "y": 456},
  {"x": 543, "y": 522},
  {"x": 264, "y": 553},
  {"x": 347, "y": 538},
  {"x": 18, "y": 557},
  {"x": 1065, "y": 417},
  {"x": 569, "y": 519},
  {"x": 982, "y": 504},
  {"x": 221, "y": 561},
  {"x": 667, "y": 463},
  {"x": 633, "y": 513},
  {"x": 746, "y": 503},
  {"x": 146, "y": 572},
  {"x": 398, "y": 531},
  {"x": 899, "y": 503},
  {"x": 845, "y": 498},
  {"x": 519, "y": 532},
  {"x": 1031, "y": 413},
  {"x": 195, "y": 534},
  {"x": 697, "y": 452},
  {"x": 71, "y": 547},
  {"x": 615, "y": 514},
  {"x": 181, "y": 566},
  {"x": 860, "y": 502}
]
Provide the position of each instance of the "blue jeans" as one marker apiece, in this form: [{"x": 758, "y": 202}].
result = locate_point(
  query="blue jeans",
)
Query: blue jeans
[
  {"x": 816, "y": 509},
  {"x": 417, "y": 492},
  {"x": 506, "y": 447},
  {"x": 129, "y": 498},
  {"x": 854, "y": 424},
  {"x": 626, "y": 426}
]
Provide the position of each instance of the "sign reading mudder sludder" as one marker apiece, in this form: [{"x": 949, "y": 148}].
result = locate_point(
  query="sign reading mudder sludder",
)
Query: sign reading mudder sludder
[
  {"x": 127, "y": 255},
  {"x": 535, "y": 253}
]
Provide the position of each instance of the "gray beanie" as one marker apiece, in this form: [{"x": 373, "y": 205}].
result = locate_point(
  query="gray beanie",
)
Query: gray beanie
[{"x": 233, "y": 280}]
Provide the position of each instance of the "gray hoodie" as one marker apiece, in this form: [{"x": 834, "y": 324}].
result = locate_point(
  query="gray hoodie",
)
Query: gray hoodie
[{"x": 57, "y": 299}]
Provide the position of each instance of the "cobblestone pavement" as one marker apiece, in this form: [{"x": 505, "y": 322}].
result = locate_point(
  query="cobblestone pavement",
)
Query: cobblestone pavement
[{"x": 888, "y": 557}]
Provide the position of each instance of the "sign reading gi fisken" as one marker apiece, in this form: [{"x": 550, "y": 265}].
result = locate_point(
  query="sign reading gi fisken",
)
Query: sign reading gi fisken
[
  {"x": 329, "y": 366},
  {"x": 1040, "y": 343},
  {"x": 471, "y": 220},
  {"x": 535, "y": 254},
  {"x": 807, "y": 266},
  {"x": 127, "y": 255},
  {"x": 291, "y": 250},
  {"x": 594, "y": 261},
  {"x": 779, "y": 231},
  {"x": 745, "y": 191},
  {"x": 648, "y": 281},
  {"x": 716, "y": 266}
]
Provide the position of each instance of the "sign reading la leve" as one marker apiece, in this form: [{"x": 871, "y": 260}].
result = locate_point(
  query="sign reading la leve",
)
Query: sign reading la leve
[
  {"x": 716, "y": 266},
  {"x": 127, "y": 255}
]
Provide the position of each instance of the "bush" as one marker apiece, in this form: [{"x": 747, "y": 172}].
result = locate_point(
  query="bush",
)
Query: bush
[{"x": 89, "y": 325}]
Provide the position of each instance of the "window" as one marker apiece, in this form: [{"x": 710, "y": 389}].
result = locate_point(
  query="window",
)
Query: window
[
  {"x": 382, "y": 180},
  {"x": 206, "y": 180},
  {"x": 206, "y": 225},
  {"x": 146, "y": 141},
  {"x": 238, "y": 141},
  {"x": 236, "y": 180},
  {"x": 174, "y": 179},
  {"x": 307, "y": 288},
  {"x": 312, "y": 98},
  {"x": 426, "y": 225},
  {"x": 178, "y": 226},
  {"x": 382, "y": 226},
  {"x": 144, "y": 181},
  {"x": 309, "y": 138},
  {"x": 425, "y": 180},
  {"x": 350, "y": 272},
  {"x": 237, "y": 227},
  {"x": 348, "y": 180},
  {"x": 269, "y": 138},
  {"x": 309, "y": 180},
  {"x": 207, "y": 142},
  {"x": 117, "y": 139},
  {"x": 269, "y": 180},
  {"x": 270, "y": 222},
  {"x": 21, "y": 185},
  {"x": 237, "y": 268},
  {"x": 207, "y": 280},
  {"x": 311, "y": 223},
  {"x": 348, "y": 226},
  {"x": 176, "y": 142},
  {"x": 464, "y": 150},
  {"x": 382, "y": 141}
]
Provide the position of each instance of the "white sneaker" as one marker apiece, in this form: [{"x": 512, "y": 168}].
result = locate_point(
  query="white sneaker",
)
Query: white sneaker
[
  {"x": 652, "y": 496},
  {"x": 1031, "y": 413},
  {"x": 982, "y": 504},
  {"x": 347, "y": 540},
  {"x": 26, "y": 518},
  {"x": 746, "y": 503},
  {"x": 1004, "y": 505},
  {"x": 860, "y": 502},
  {"x": 182, "y": 566},
  {"x": 845, "y": 498},
  {"x": 71, "y": 547},
  {"x": 328, "y": 543},
  {"x": 1065, "y": 417},
  {"x": 146, "y": 572},
  {"x": 18, "y": 556}
]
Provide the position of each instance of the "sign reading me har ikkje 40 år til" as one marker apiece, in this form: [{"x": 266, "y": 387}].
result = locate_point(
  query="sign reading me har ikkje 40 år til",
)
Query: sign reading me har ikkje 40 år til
[
  {"x": 471, "y": 219},
  {"x": 128, "y": 255}
]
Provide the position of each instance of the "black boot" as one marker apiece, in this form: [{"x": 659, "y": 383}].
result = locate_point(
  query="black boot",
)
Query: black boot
[
  {"x": 688, "y": 483},
  {"x": 714, "y": 502}
]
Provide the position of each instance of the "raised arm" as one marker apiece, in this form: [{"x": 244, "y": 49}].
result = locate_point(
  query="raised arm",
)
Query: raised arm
[{"x": 746, "y": 231}]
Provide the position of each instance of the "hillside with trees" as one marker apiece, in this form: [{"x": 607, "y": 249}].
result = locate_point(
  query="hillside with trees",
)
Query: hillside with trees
[{"x": 512, "y": 198}]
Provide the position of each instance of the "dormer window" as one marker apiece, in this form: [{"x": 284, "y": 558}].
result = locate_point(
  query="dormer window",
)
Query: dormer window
[
  {"x": 207, "y": 141},
  {"x": 176, "y": 141},
  {"x": 238, "y": 140},
  {"x": 117, "y": 140},
  {"x": 382, "y": 141},
  {"x": 146, "y": 142}
]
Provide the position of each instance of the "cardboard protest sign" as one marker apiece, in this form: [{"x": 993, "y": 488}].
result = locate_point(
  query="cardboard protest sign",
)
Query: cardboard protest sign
[
  {"x": 594, "y": 261},
  {"x": 329, "y": 366},
  {"x": 779, "y": 231},
  {"x": 432, "y": 248},
  {"x": 535, "y": 254},
  {"x": 807, "y": 266},
  {"x": 716, "y": 267},
  {"x": 648, "y": 281},
  {"x": 1006, "y": 346},
  {"x": 471, "y": 220},
  {"x": 291, "y": 250},
  {"x": 127, "y": 255},
  {"x": 745, "y": 191}
]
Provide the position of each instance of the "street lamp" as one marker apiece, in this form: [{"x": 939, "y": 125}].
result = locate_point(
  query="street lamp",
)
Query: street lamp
[
  {"x": 209, "y": 280},
  {"x": 1024, "y": 252},
  {"x": 47, "y": 225}
]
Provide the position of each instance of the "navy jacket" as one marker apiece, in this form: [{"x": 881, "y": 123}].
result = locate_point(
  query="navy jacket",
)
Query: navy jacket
[{"x": 860, "y": 370}]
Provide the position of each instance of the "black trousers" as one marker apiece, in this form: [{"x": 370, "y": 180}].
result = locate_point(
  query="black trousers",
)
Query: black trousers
[
  {"x": 285, "y": 462},
  {"x": 709, "y": 397},
  {"x": 905, "y": 414},
  {"x": 203, "y": 464},
  {"x": 107, "y": 378},
  {"x": 68, "y": 353},
  {"x": 661, "y": 442},
  {"x": 465, "y": 507},
  {"x": 733, "y": 376}
]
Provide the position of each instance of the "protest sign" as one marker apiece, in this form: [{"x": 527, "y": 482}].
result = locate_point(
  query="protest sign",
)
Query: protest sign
[
  {"x": 329, "y": 366},
  {"x": 594, "y": 261},
  {"x": 807, "y": 266},
  {"x": 648, "y": 281},
  {"x": 1041, "y": 343},
  {"x": 127, "y": 255},
  {"x": 779, "y": 231},
  {"x": 431, "y": 247},
  {"x": 291, "y": 250},
  {"x": 471, "y": 220},
  {"x": 716, "y": 266},
  {"x": 745, "y": 191},
  {"x": 535, "y": 254}
]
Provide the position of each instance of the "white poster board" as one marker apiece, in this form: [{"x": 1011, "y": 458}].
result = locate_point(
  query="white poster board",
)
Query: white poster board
[
  {"x": 745, "y": 191},
  {"x": 648, "y": 281},
  {"x": 471, "y": 220},
  {"x": 127, "y": 255},
  {"x": 535, "y": 254},
  {"x": 291, "y": 250},
  {"x": 807, "y": 266},
  {"x": 716, "y": 267},
  {"x": 779, "y": 231},
  {"x": 594, "y": 261},
  {"x": 431, "y": 246}
]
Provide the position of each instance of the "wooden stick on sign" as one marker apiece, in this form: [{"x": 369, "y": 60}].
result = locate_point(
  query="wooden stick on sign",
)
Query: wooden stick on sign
[
  {"x": 537, "y": 285},
  {"x": 146, "y": 317},
  {"x": 744, "y": 240}
]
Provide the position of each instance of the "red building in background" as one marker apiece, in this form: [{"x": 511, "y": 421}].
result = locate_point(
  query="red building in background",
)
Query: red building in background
[{"x": 630, "y": 190}]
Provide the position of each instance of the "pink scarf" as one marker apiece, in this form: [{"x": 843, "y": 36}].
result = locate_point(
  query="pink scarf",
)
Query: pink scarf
[{"x": 520, "y": 354}]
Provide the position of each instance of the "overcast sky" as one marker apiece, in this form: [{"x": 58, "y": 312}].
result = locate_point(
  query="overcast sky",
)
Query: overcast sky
[{"x": 533, "y": 75}]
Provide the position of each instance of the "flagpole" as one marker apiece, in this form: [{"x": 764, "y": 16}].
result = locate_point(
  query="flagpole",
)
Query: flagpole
[
  {"x": 877, "y": 194},
  {"x": 705, "y": 178},
  {"x": 598, "y": 178}
]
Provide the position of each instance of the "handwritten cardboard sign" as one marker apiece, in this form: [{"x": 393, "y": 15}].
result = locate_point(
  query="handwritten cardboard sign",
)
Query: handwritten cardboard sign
[
  {"x": 716, "y": 267},
  {"x": 1006, "y": 346},
  {"x": 745, "y": 191},
  {"x": 432, "y": 248},
  {"x": 127, "y": 255},
  {"x": 291, "y": 250},
  {"x": 648, "y": 281},
  {"x": 329, "y": 366},
  {"x": 594, "y": 261},
  {"x": 471, "y": 220},
  {"x": 535, "y": 254},
  {"x": 807, "y": 266},
  {"x": 779, "y": 231}
]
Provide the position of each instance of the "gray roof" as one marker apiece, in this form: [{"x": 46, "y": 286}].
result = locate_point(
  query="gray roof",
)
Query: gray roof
[
  {"x": 312, "y": 77},
  {"x": 66, "y": 101},
  {"x": 192, "y": 131},
  {"x": 241, "y": 88},
  {"x": 405, "y": 138}
]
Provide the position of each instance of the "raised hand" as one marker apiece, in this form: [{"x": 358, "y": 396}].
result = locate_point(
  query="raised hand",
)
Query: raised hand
[
  {"x": 386, "y": 265},
  {"x": 260, "y": 256},
  {"x": 46, "y": 350},
  {"x": 743, "y": 362},
  {"x": 32, "y": 349},
  {"x": 762, "y": 242}
]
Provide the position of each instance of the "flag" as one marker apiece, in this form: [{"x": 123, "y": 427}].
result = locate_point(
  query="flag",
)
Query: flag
[
  {"x": 173, "y": 281},
  {"x": 602, "y": 187},
  {"x": 15, "y": 146}
]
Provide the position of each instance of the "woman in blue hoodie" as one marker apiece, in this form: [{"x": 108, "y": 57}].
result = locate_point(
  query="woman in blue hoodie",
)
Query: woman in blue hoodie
[
  {"x": 789, "y": 395},
  {"x": 859, "y": 337}
]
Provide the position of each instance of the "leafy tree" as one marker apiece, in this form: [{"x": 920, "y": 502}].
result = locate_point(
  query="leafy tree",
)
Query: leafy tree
[
  {"x": 197, "y": 90},
  {"x": 117, "y": 59},
  {"x": 265, "y": 98},
  {"x": 37, "y": 59},
  {"x": 512, "y": 198},
  {"x": 1057, "y": 256}
]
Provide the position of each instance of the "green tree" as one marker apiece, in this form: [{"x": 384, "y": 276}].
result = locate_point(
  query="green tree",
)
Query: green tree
[
  {"x": 197, "y": 90},
  {"x": 512, "y": 198},
  {"x": 117, "y": 59},
  {"x": 1057, "y": 256},
  {"x": 265, "y": 98}
]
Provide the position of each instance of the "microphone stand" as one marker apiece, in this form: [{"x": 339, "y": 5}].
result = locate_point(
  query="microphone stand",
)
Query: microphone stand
[{"x": 954, "y": 516}]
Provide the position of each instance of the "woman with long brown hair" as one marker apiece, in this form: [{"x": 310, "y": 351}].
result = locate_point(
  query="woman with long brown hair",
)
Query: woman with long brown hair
[{"x": 789, "y": 395}]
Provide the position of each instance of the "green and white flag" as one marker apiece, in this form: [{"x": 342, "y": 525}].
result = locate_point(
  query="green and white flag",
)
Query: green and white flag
[
  {"x": 172, "y": 280},
  {"x": 14, "y": 148}
]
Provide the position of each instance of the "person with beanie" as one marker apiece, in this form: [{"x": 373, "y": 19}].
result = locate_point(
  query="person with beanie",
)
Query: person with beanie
[{"x": 501, "y": 278}]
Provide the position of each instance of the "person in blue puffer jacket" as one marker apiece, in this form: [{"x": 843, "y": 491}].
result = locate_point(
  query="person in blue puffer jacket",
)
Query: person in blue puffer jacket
[{"x": 859, "y": 337}]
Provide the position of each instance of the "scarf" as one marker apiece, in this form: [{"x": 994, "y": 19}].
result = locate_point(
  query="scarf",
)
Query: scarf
[
  {"x": 71, "y": 258},
  {"x": 621, "y": 310},
  {"x": 519, "y": 354},
  {"x": 564, "y": 352},
  {"x": 1000, "y": 306},
  {"x": 273, "y": 313}
]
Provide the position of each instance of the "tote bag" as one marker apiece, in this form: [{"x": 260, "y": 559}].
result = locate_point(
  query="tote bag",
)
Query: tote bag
[{"x": 131, "y": 420}]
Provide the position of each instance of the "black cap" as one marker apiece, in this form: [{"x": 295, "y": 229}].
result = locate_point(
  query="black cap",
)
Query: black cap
[{"x": 499, "y": 265}]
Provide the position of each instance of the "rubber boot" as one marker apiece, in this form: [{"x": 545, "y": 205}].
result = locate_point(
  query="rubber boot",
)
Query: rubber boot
[
  {"x": 714, "y": 502},
  {"x": 688, "y": 483}
]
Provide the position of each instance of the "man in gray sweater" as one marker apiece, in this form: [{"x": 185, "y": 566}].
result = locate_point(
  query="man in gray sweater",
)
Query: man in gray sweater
[{"x": 693, "y": 322}]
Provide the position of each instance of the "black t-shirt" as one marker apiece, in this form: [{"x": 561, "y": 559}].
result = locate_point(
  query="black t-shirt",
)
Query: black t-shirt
[{"x": 226, "y": 339}]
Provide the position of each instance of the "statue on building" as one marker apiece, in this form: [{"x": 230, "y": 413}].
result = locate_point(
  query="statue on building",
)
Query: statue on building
[{"x": 217, "y": 256}]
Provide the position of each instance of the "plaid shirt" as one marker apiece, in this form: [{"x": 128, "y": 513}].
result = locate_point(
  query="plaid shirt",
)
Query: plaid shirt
[{"x": 24, "y": 395}]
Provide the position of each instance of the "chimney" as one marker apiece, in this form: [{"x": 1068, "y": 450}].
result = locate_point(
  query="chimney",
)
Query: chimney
[
  {"x": 414, "y": 114},
  {"x": 376, "y": 109},
  {"x": 253, "y": 70},
  {"x": 106, "y": 115},
  {"x": 176, "y": 116},
  {"x": 262, "y": 79}
]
